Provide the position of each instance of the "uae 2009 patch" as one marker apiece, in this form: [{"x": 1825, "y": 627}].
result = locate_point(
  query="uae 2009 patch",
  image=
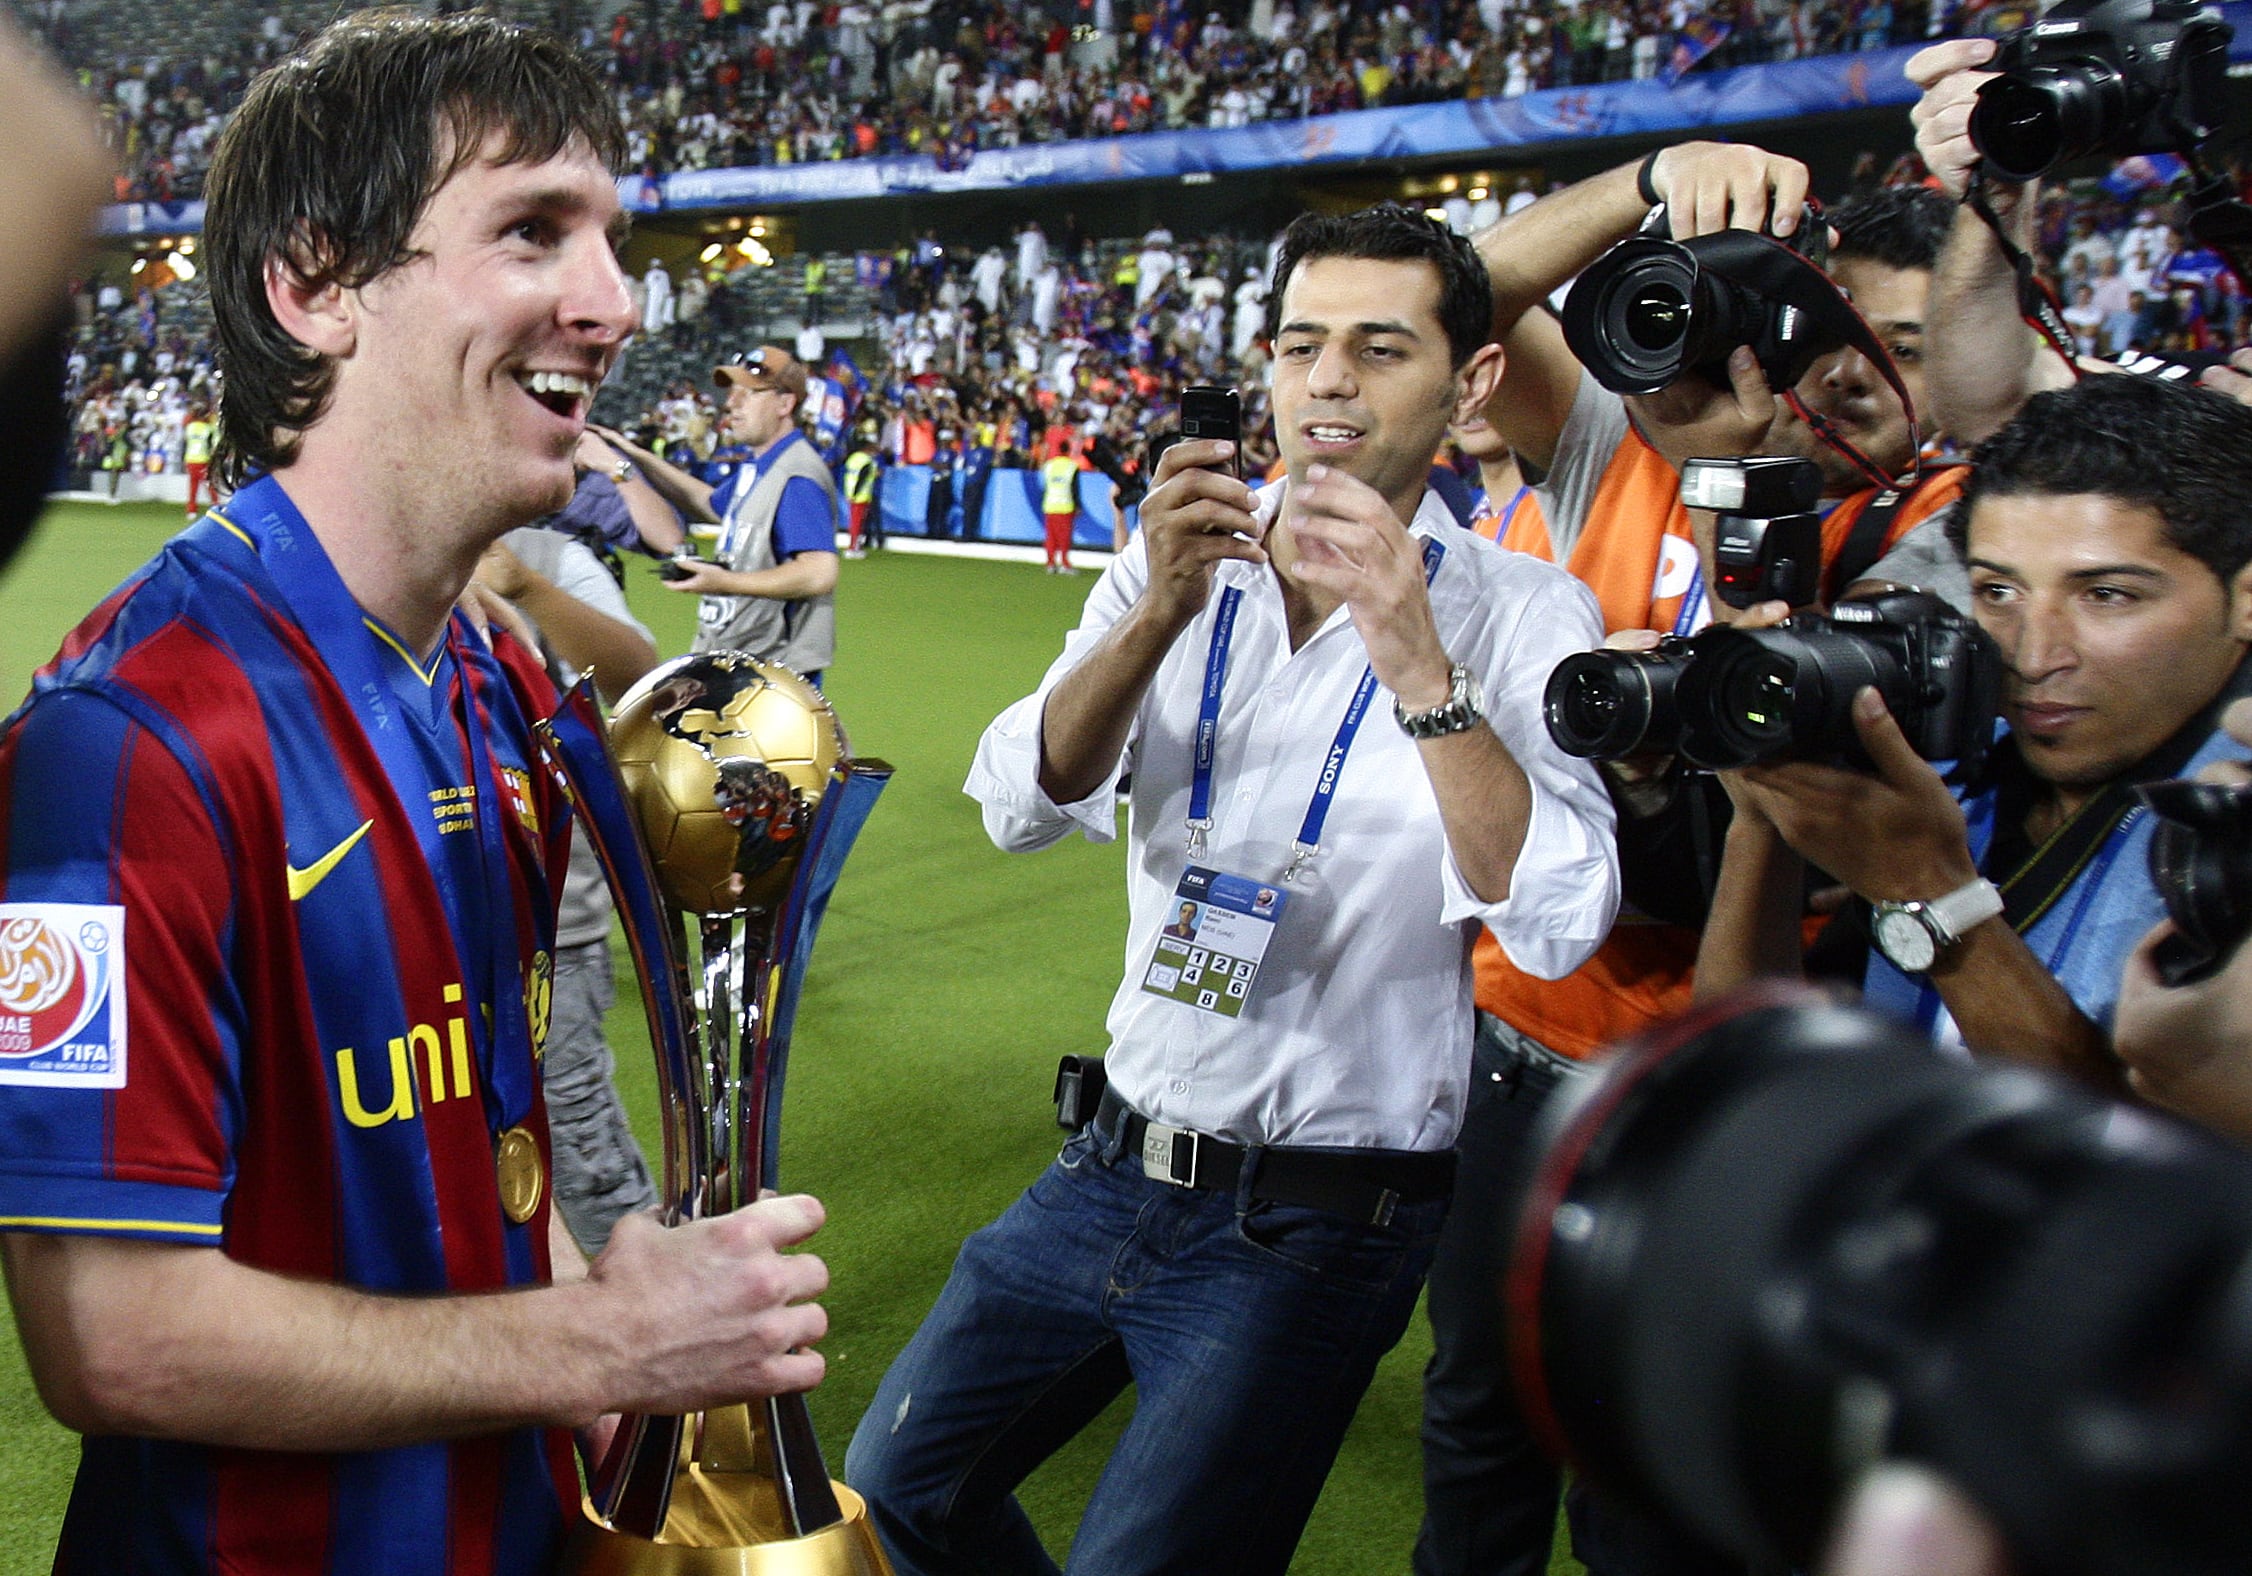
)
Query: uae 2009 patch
[{"x": 62, "y": 995}]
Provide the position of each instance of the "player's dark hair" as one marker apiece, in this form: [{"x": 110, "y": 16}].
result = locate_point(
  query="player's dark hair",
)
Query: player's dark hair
[
  {"x": 1899, "y": 226},
  {"x": 1392, "y": 233},
  {"x": 2180, "y": 451},
  {"x": 328, "y": 165}
]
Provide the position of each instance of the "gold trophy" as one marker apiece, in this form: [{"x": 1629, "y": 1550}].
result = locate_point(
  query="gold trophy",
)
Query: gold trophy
[{"x": 722, "y": 790}]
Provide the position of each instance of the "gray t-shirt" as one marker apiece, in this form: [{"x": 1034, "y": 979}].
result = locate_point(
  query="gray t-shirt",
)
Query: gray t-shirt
[{"x": 584, "y": 916}]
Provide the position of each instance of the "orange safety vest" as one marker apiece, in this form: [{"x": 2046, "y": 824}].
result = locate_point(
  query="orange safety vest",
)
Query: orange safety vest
[{"x": 1626, "y": 554}]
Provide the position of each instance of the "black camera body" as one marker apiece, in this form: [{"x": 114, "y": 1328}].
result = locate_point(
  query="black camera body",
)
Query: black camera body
[
  {"x": 1767, "y": 540},
  {"x": 1732, "y": 697},
  {"x": 2201, "y": 863},
  {"x": 2103, "y": 76},
  {"x": 1652, "y": 308}
]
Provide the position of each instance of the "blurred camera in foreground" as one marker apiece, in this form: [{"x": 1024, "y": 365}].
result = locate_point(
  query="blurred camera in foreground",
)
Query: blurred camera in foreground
[
  {"x": 1783, "y": 1240},
  {"x": 1732, "y": 697},
  {"x": 2103, "y": 76}
]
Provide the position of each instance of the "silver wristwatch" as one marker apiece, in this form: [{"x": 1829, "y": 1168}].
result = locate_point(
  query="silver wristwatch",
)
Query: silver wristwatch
[
  {"x": 1463, "y": 709},
  {"x": 1913, "y": 935}
]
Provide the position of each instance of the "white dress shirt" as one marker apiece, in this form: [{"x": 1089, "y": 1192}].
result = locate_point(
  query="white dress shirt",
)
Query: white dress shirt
[{"x": 1357, "y": 1032}]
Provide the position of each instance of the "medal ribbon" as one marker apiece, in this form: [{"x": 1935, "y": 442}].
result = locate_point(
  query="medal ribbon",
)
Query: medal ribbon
[
  {"x": 292, "y": 560},
  {"x": 1308, "y": 842}
]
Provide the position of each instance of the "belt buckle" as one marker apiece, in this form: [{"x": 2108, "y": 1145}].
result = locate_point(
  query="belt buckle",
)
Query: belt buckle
[{"x": 1169, "y": 1154}]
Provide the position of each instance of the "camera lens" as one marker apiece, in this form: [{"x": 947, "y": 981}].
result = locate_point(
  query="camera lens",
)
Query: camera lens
[
  {"x": 2025, "y": 124},
  {"x": 1601, "y": 705},
  {"x": 1657, "y": 318},
  {"x": 1783, "y": 1239},
  {"x": 1638, "y": 316},
  {"x": 1758, "y": 694}
]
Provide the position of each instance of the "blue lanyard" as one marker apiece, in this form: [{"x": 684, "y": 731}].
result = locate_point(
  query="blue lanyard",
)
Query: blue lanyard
[
  {"x": 1333, "y": 765},
  {"x": 342, "y": 633},
  {"x": 1509, "y": 515},
  {"x": 1692, "y": 602},
  {"x": 2090, "y": 884}
]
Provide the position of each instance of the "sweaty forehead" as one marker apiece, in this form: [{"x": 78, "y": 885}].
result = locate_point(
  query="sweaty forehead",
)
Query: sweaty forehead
[{"x": 1341, "y": 294}]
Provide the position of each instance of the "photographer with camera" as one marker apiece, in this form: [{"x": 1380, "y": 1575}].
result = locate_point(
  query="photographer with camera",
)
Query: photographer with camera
[
  {"x": 2120, "y": 77},
  {"x": 2108, "y": 547},
  {"x": 1610, "y": 510}
]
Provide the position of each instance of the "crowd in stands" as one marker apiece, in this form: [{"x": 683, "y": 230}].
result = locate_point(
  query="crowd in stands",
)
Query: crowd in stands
[
  {"x": 713, "y": 84},
  {"x": 957, "y": 350}
]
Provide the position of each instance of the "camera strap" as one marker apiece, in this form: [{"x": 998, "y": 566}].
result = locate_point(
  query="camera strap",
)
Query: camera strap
[
  {"x": 1865, "y": 543},
  {"x": 2036, "y": 302},
  {"x": 1773, "y": 270},
  {"x": 2032, "y": 889}
]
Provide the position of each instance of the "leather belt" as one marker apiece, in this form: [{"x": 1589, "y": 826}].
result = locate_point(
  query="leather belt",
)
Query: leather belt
[{"x": 1365, "y": 1185}]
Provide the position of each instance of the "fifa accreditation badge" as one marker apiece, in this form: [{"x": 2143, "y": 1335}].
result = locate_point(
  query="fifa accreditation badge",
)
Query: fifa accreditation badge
[
  {"x": 522, "y": 1178},
  {"x": 1215, "y": 935}
]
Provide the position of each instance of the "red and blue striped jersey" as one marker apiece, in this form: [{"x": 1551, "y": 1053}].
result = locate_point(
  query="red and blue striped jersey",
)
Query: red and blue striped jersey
[{"x": 242, "y": 1005}]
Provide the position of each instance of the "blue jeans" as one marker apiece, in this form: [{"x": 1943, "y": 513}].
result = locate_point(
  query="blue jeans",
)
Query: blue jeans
[{"x": 1250, "y": 1330}]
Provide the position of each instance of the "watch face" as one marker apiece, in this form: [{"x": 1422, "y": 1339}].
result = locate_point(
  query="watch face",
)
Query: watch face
[{"x": 1902, "y": 938}]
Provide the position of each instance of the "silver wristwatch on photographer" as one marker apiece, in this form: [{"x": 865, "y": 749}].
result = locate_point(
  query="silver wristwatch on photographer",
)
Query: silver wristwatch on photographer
[
  {"x": 1463, "y": 709},
  {"x": 1913, "y": 935}
]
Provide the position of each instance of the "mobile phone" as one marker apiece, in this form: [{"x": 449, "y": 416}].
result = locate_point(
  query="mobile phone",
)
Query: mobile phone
[
  {"x": 676, "y": 569},
  {"x": 1208, "y": 412}
]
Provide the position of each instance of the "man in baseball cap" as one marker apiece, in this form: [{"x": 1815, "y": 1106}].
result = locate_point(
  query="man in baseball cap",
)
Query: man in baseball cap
[{"x": 769, "y": 589}]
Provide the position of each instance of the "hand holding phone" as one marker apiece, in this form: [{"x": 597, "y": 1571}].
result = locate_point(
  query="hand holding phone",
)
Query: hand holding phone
[{"x": 1217, "y": 413}]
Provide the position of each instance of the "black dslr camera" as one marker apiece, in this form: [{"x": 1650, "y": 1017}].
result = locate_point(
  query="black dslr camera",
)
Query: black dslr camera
[
  {"x": 1767, "y": 539},
  {"x": 1783, "y": 1240},
  {"x": 1652, "y": 308},
  {"x": 2103, "y": 76},
  {"x": 2201, "y": 863},
  {"x": 1731, "y": 697}
]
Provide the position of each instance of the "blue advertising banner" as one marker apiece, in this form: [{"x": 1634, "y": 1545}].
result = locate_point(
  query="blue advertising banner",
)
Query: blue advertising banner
[
  {"x": 1012, "y": 507},
  {"x": 1699, "y": 101}
]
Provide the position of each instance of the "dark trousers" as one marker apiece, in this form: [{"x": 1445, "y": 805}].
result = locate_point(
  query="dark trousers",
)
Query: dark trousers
[{"x": 1489, "y": 1492}]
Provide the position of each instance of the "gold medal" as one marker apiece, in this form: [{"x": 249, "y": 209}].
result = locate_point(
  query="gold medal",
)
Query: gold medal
[{"x": 523, "y": 1182}]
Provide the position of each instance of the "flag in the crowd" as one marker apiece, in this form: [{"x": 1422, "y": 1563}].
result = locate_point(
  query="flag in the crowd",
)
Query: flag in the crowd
[
  {"x": 847, "y": 371},
  {"x": 1698, "y": 39},
  {"x": 2142, "y": 173},
  {"x": 825, "y": 398}
]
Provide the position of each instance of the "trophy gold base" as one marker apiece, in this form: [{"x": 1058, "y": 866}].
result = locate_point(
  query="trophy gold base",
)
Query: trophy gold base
[{"x": 718, "y": 1526}]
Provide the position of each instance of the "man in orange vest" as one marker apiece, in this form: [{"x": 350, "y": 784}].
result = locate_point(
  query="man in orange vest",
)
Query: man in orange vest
[{"x": 1608, "y": 489}]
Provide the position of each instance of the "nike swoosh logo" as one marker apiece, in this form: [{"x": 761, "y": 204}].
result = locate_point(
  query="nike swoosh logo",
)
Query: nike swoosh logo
[{"x": 303, "y": 881}]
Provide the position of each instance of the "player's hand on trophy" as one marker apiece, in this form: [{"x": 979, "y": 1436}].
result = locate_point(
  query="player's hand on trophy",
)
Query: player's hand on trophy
[
  {"x": 1194, "y": 516},
  {"x": 1349, "y": 544},
  {"x": 711, "y": 1312}
]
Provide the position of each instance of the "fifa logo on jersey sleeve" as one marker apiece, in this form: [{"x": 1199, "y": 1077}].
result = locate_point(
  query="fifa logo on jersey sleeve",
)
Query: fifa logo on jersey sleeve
[
  {"x": 62, "y": 995},
  {"x": 435, "y": 1051}
]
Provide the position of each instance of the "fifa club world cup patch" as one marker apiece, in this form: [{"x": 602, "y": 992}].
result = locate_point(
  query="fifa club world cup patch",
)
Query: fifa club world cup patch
[{"x": 62, "y": 995}]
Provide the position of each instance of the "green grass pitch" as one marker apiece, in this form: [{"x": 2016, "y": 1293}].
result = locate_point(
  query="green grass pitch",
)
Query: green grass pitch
[{"x": 948, "y": 979}]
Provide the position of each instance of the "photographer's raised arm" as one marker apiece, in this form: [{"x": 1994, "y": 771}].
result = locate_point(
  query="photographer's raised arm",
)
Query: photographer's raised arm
[
  {"x": 1705, "y": 186},
  {"x": 1192, "y": 519},
  {"x": 693, "y": 498},
  {"x": 1976, "y": 377}
]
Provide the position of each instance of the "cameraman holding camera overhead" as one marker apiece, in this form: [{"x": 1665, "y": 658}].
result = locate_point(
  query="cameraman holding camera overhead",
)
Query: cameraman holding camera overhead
[
  {"x": 1611, "y": 495},
  {"x": 2108, "y": 547}
]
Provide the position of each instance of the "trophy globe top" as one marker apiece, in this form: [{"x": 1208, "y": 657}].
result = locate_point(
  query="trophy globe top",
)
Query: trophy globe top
[{"x": 725, "y": 757}]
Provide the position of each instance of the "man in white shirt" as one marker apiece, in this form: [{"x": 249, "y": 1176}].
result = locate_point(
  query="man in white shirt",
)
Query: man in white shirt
[{"x": 1242, "y": 1229}]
